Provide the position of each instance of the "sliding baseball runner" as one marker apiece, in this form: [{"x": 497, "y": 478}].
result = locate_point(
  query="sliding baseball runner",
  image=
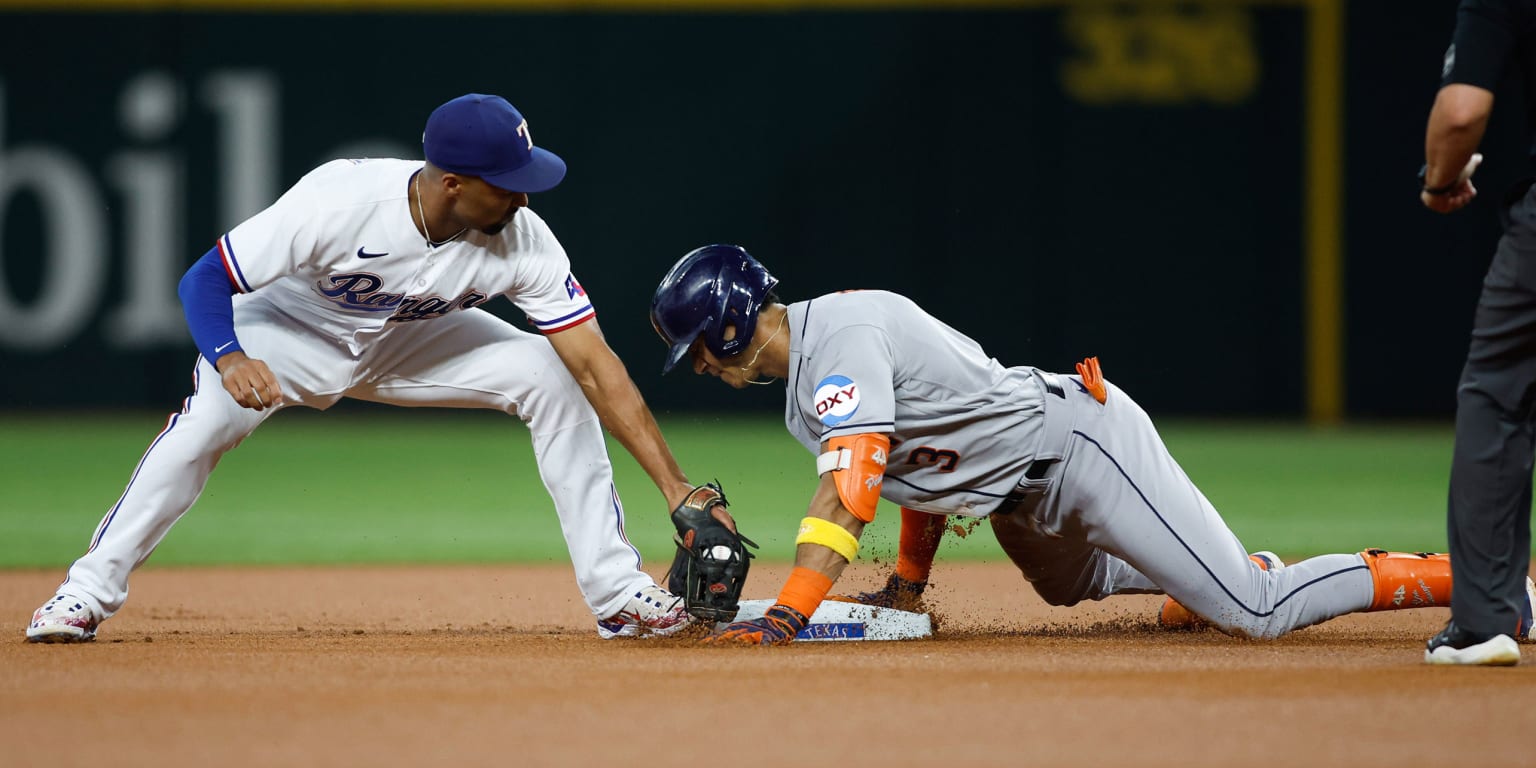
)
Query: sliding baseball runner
[{"x": 1078, "y": 486}]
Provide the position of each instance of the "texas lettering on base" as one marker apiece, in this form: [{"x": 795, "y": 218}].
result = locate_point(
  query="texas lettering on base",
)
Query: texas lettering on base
[{"x": 834, "y": 621}]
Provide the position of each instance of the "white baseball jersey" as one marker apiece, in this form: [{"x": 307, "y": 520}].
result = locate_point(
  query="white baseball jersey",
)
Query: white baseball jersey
[
  {"x": 340, "y": 296},
  {"x": 342, "y": 255}
]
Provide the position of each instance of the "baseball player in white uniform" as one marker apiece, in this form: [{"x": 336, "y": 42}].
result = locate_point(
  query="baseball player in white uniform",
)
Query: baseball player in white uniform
[
  {"x": 364, "y": 280},
  {"x": 1079, "y": 488}
]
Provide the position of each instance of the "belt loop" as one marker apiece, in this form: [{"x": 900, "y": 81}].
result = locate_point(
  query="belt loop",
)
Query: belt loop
[{"x": 1058, "y": 418}]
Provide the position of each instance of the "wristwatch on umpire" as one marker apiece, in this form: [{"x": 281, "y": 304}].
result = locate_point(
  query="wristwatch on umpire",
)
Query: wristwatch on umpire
[{"x": 1436, "y": 191}]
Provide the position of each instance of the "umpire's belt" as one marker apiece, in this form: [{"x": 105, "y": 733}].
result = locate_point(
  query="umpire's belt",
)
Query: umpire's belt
[{"x": 1058, "y": 412}]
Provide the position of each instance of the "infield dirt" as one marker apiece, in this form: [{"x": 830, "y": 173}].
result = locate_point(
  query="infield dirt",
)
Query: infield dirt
[{"x": 502, "y": 665}]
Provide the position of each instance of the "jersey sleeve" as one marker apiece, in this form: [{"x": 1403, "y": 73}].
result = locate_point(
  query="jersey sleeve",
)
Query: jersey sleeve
[
  {"x": 275, "y": 242},
  {"x": 853, "y": 389},
  {"x": 205, "y": 300},
  {"x": 1481, "y": 45},
  {"x": 546, "y": 290}
]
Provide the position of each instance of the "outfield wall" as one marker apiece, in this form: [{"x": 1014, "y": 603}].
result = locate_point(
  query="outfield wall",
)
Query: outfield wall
[{"x": 1216, "y": 198}]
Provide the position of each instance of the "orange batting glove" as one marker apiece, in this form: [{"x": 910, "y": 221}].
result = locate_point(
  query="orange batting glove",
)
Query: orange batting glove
[{"x": 1093, "y": 379}]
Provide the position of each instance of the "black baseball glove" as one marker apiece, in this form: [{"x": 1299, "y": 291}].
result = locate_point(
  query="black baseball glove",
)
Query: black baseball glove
[{"x": 710, "y": 569}]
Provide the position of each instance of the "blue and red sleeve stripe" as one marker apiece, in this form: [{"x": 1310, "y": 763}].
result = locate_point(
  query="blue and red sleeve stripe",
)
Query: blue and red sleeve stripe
[
  {"x": 568, "y": 321},
  {"x": 231, "y": 266}
]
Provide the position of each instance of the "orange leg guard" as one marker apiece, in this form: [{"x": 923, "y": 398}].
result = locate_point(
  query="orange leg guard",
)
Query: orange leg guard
[{"x": 1408, "y": 579}]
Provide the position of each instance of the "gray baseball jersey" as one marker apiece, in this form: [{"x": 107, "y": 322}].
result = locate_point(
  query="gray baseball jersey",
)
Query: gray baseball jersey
[
  {"x": 963, "y": 428},
  {"x": 1107, "y": 511}
]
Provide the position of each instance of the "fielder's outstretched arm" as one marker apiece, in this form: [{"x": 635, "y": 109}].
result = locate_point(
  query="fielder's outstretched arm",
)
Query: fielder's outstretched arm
[{"x": 618, "y": 403}]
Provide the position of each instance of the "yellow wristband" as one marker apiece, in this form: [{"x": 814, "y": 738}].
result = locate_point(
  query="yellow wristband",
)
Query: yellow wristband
[{"x": 814, "y": 530}]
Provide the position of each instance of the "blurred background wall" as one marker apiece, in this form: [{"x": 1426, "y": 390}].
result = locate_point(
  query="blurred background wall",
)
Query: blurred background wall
[{"x": 1217, "y": 198}]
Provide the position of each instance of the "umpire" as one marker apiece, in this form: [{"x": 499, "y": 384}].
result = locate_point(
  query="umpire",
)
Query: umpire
[{"x": 1490, "y": 495}]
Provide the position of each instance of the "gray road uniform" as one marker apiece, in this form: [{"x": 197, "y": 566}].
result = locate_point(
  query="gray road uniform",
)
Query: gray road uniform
[{"x": 1084, "y": 497}]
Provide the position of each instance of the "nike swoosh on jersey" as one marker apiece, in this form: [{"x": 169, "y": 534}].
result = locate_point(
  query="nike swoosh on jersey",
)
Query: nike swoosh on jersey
[
  {"x": 222, "y": 347},
  {"x": 362, "y": 254}
]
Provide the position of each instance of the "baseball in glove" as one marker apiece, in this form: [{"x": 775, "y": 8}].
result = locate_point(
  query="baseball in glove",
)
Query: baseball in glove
[{"x": 710, "y": 568}]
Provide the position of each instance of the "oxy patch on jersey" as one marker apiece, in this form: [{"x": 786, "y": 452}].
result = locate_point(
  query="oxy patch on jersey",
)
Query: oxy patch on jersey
[
  {"x": 361, "y": 291},
  {"x": 836, "y": 400}
]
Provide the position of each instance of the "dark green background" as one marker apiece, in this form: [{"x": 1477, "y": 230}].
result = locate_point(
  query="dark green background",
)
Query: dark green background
[{"x": 929, "y": 152}]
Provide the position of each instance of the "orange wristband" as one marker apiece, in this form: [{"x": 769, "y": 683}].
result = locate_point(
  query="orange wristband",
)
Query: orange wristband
[{"x": 805, "y": 590}]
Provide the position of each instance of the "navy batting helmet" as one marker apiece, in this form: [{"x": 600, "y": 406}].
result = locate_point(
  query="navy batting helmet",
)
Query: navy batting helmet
[{"x": 710, "y": 288}]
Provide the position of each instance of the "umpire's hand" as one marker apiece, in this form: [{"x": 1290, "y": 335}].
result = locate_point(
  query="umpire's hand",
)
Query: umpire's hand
[
  {"x": 249, "y": 381},
  {"x": 1456, "y": 195}
]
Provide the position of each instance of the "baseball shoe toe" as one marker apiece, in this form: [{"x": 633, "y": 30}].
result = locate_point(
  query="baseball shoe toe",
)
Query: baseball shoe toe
[
  {"x": 650, "y": 611},
  {"x": 1175, "y": 616},
  {"x": 63, "y": 619},
  {"x": 1454, "y": 645}
]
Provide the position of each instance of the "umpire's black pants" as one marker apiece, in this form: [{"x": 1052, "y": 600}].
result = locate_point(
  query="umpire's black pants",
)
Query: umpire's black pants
[{"x": 1489, "y": 522}]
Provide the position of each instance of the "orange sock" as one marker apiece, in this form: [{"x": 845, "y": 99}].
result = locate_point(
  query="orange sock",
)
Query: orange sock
[
  {"x": 1408, "y": 579},
  {"x": 920, "y": 535},
  {"x": 805, "y": 590}
]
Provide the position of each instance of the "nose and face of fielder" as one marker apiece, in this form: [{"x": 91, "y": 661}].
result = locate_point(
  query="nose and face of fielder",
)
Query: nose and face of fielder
[{"x": 480, "y": 206}]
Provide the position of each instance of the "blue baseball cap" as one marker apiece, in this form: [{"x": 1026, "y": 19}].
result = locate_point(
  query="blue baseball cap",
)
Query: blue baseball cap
[{"x": 484, "y": 136}]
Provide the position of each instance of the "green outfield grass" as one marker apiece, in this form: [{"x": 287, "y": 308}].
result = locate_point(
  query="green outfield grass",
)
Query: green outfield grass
[{"x": 388, "y": 486}]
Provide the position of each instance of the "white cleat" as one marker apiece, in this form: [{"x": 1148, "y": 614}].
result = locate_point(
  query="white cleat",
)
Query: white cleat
[
  {"x": 1267, "y": 560},
  {"x": 63, "y": 619},
  {"x": 652, "y": 611}
]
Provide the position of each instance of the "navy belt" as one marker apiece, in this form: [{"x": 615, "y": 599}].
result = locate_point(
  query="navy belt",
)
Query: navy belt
[{"x": 1052, "y": 385}]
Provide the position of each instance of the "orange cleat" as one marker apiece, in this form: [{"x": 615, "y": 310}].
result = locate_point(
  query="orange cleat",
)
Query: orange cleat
[{"x": 1175, "y": 616}]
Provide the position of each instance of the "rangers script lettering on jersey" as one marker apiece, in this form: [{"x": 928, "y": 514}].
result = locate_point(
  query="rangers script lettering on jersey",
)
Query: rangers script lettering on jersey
[{"x": 339, "y": 252}]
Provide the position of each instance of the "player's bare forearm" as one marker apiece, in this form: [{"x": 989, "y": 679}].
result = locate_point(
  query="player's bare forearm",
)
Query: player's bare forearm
[
  {"x": 607, "y": 385},
  {"x": 827, "y": 505},
  {"x": 249, "y": 381},
  {"x": 1456, "y": 125}
]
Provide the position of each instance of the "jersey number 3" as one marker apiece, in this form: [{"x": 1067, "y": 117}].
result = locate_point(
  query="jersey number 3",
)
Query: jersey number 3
[{"x": 942, "y": 458}]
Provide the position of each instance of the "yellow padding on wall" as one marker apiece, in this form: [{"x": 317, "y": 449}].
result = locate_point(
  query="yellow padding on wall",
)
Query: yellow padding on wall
[{"x": 814, "y": 530}]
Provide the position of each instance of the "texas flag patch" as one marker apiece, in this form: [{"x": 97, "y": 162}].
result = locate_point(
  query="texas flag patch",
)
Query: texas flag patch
[
  {"x": 573, "y": 288},
  {"x": 836, "y": 400}
]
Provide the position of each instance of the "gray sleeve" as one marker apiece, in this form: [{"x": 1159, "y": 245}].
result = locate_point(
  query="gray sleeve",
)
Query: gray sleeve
[{"x": 853, "y": 390}]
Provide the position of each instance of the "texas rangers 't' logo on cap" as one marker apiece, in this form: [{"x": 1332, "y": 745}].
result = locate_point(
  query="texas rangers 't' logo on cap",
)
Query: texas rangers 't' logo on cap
[{"x": 485, "y": 136}]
